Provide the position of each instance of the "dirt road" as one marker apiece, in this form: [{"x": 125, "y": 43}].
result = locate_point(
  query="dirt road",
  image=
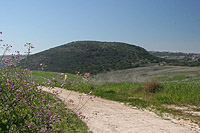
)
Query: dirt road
[{"x": 114, "y": 117}]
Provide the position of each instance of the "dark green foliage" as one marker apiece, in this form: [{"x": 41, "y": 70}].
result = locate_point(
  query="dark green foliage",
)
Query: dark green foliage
[{"x": 91, "y": 56}]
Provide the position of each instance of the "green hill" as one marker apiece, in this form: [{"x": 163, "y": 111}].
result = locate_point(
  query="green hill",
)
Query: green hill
[{"x": 90, "y": 56}]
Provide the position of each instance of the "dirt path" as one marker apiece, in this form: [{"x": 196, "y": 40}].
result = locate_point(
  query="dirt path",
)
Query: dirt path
[{"x": 114, "y": 117}]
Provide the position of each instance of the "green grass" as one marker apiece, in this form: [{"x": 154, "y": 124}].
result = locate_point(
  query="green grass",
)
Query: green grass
[
  {"x": 71, "y": 122},
  {"x": 178, "y": 76},
  {"x": 171, "y": 93},
  {"x": 39, "y": 77},
  {"x": 133, "y": 93},
  {"x": 180, "y": 93}
]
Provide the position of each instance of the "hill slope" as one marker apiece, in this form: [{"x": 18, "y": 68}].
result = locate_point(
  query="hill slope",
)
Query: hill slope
[{"x": 91, "y": 56}]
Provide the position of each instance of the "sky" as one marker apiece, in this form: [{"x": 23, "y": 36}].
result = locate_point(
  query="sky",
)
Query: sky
[{"x": 159, "y": 25}]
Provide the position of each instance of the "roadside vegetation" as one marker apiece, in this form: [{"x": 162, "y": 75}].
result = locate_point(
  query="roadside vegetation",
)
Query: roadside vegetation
[
  {"x": 158, "y": 96},
  {"x": 25, "y": 107}
]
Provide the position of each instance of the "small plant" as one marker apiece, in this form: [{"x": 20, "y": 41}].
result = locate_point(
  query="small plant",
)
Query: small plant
[
  {"x": 24, "y": 106},
  {"x": 152, "y": 86}
]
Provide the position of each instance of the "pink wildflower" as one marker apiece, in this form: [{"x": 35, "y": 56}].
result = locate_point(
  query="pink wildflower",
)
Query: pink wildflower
[
  {"x": 90, "y": 92},
  {"x": 61, "y": 85}
]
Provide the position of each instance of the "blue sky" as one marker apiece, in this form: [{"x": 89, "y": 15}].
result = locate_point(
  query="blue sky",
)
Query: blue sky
[{"x": 164, "y": 25}]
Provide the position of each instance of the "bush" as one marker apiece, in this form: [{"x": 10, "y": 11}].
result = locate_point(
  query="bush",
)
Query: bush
[
  {"x": 152, "y": 86},
  {"x": 24, "y": 106}
]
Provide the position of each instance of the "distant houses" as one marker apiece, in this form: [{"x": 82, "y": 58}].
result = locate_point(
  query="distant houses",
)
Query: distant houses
[{"x": 177, "y": 55}]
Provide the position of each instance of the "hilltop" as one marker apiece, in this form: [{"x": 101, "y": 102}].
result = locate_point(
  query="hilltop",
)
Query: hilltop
[{"x": 91, "y": 56}]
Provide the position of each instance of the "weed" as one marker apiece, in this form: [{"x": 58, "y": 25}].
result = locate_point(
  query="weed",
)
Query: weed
[
  {"x": 24, "y": 107},
  {"x": 152, "y": 86}
]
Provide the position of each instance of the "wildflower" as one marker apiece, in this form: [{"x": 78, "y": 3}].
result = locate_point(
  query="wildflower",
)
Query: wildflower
[
  {"x": 44, "y": 100},
  {"x": 1, "y": 32},
  {"x": 90, "y": 92},
  {"x": 61, "y": 85},
  {"x": 60, "y": 74},
  {"x": 86, "y": 76},
  {"x": 71, "y": 101}
]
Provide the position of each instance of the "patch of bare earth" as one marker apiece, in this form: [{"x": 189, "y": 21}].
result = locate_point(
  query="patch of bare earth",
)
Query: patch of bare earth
[{"x": 114, "y": 117}]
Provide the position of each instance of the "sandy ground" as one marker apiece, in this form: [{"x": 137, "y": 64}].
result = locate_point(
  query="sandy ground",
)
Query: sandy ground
[{"x": 114, "y": 117}]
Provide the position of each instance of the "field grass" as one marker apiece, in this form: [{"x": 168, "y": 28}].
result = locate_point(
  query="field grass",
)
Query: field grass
[
  {"x": 71, "y": 122},
  {"x": 40, "y": 76},
  {"x": 173, "y": 91},
  {"x": 160, "y": 73}
]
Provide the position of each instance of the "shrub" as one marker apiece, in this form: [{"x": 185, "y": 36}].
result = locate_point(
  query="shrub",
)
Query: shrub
[
  {"x": 25, "y": 107},
  {"x": 152, "y": 86}
]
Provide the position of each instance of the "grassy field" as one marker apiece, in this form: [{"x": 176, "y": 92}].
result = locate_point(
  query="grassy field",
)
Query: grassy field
[
  {"x": 175, "y": 86},
  {"x": 160, "y": 73}
]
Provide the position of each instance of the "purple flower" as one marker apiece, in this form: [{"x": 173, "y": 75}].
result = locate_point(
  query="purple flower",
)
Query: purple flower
[
  {"x": 90, "y": 92},
  {"x": 71, "y": 101},
  {"x": 44, "y": 100},
  {"x": 60, "y": 74},
  {"x": 61, "y": 85}
]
